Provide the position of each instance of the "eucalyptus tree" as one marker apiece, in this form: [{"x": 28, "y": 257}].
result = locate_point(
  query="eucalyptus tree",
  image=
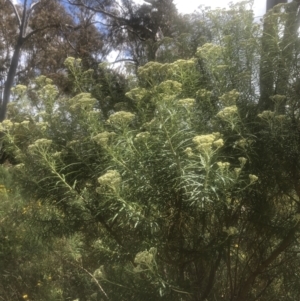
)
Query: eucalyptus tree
[
  {"x": 137, "y": 31},
  {"x": 24, "y": 33},
  {"x": 45, "y": 34},
  {"x": 277, "y": 62}
]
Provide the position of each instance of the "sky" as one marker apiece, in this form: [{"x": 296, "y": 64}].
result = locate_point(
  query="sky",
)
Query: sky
[{"x": 188, "y": 6}]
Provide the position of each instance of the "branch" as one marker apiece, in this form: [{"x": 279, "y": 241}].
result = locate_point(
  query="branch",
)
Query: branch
[
  {"x": 16, "y": 12},
  {"x": 29, "y": 35},
  {"x": 32, "y": 6},
  {"x": 264, "y": 289},
  {"x": 99, "y": 11},
  {"x": 125, "y": 60},
  {"x": 212, "y": 275},
  {"x": 282, "y": 246},
  {"x": 106, "y": 13},
  {"x": 90, "y": 274}
]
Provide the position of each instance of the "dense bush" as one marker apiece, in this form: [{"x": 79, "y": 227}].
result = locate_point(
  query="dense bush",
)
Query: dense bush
[{"x": 190, "y": 193}]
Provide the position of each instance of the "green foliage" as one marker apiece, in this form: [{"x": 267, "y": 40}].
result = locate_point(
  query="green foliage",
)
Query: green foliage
[{"x": 189, "y": 193}]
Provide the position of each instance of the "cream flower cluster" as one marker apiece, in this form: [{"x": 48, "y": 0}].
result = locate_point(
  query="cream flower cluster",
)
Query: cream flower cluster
[
  {"x": 266, "y": 115},
  {"x": 147, "y": 71},
  {"x": 189, "y": 152},
  {"x": 40, "y": 144},
  {"x": 204, "y": 94},
  {"x": 121, "y": 118},
  {"x": 229, "y": 98},
  {"x": 253, "y": 178},
  {"x": 243, "y": 161},
  {"x": 6, "y": 124},
  {"x": 42, "y": 126},
  {"x": 19, "y": 89},
  {"x": 111, "y": 178},
  {"x": 70, "y": 62},
  {"x": 48, "y": 91},
  {"x": 145, "y": 258},
  {"x": 205, "y": 142},
  {"x": 82, "y": 100},
  {"x": 223, "y": 165},
  {"x": 170, "y": 87},
  {"x": 187, "y": 102},
  {"x": 243, "y": 143},
  {"x": 182, "y": 65},
  {"x": 228, "y": 112},
  {"x": 103, "y": 138},
  {"x": 136, "y": 94}
]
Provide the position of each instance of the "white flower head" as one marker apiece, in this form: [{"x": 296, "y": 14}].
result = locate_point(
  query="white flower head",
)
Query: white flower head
[
  {"x": 237, "y": 171},
  {"x": 267, "y": 115},
  {"x": 223, "y": 165},
  {"x": 229, "y": 98},
  {"x": 243, "y": 161},
  {"x": 40, "y": 145},
  {"x": 228, "y": 113},
  {"x": 103, "y": 138},
  {"x": 7, "y": 124},
  {"x": 189, "y": 152},
  {"x": 111, "y": 179},
  {"x": 82, "y": 101},
  {"x": 121, "y": 118},
  {"x": 187, "y": 102},
  {"x": 204, "y": 143},
  {"x": 253, "y": 178},
  {"x": 218, "y": 143},
  {"x": 146, "y": 257}
]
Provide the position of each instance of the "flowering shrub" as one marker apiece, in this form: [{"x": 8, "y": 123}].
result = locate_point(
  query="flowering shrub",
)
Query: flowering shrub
[{"x": 190, "y": 193}]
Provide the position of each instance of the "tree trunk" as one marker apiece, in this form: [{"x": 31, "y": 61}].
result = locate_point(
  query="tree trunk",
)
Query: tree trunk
[
  {"x": 271, "y": 83},
  {"x": 10, "y": 77}
]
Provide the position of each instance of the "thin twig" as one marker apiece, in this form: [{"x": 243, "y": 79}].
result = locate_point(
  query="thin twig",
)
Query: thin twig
[{"x": 91, "y": 275}]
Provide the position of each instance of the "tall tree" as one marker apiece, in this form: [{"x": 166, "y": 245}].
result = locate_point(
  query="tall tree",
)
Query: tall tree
[
  {"x": 276, "y": 81},
  {"x": 22, "y": 20},
  {"x": 46, "y": 34},
  {"x": 136, "y": 30}
]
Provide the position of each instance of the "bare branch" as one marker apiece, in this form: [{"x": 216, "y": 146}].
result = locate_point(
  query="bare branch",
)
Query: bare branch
[
  {"x": 85, "y": 270},
  {"x": 124, "y": 60},
  {"x": 92, "y": 276},
  {"x": 16, "y": 12},
  {"x": 98, "y": 10},
  {"x": 106, "y": 13},
  {"x": 32, "y": 6}
]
